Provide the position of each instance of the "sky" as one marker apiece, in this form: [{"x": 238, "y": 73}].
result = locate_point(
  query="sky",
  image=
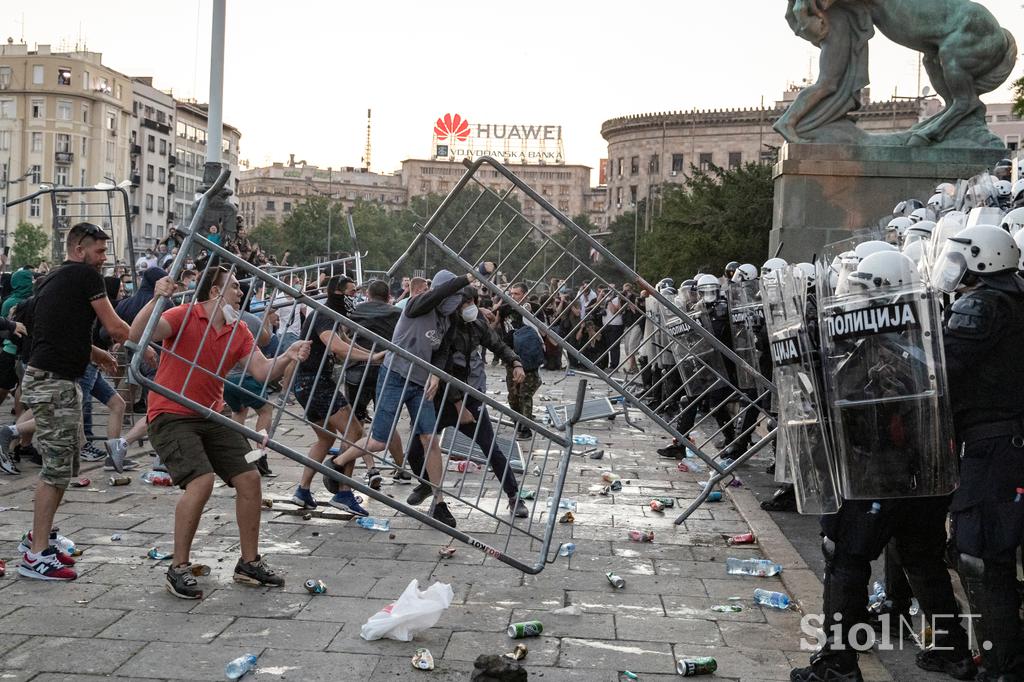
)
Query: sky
[{"x": 300, "y": 75}]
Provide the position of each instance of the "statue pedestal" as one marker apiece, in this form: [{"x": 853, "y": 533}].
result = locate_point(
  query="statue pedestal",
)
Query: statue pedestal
[{"x": 825, "y": 192}]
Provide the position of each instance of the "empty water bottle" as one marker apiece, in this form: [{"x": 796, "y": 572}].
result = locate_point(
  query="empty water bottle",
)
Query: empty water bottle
[
  {"x": 568, "y": 549},
  {"x": 877, "y": 596},
  {"x": 758, "y": 567},
  {"x": 370, "y": 523},
  {"x": 157, "y": 478},
  {"x": 584, "y": 440},
  {"x": 776, "y": 600},
  {"x": 240, "y": 666},
  {"x": 569, "y": 505}
]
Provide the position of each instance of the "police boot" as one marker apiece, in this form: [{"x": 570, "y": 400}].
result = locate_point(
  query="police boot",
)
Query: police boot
[
  {"x": 784, "y": 500},
  {"x": 958, "y": 664},
  {"x": 829, "y": 666}
]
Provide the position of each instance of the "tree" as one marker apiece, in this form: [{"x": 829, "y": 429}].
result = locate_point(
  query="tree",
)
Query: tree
[
  {"x": 30, "y": 245},
  {"x": 1018, "y": 97},
  {"x": 268, "y": 235}
]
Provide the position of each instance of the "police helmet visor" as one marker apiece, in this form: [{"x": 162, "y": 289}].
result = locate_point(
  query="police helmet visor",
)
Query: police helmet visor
[{"x": 949, "y": 271}]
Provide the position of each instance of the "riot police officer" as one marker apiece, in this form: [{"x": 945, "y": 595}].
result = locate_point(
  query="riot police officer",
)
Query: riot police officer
[{"x": 986, "y": 382}]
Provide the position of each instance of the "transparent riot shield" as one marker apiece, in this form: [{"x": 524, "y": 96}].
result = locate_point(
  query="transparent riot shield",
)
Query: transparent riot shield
[
  {"x": 886, "y": 393},
  {"x": 746, "y": 318},
  {"x": 700, "y": 361},
  {"x": 803, "y": 440}
]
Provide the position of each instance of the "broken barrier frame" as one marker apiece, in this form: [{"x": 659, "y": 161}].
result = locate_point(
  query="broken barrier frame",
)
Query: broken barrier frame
[
  {"x": 557, "y": 441},
  {"x": 749, "y": 400}
]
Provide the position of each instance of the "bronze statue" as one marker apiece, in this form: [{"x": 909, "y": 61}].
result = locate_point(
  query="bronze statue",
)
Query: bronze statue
[{"x": 966, "y": 54}]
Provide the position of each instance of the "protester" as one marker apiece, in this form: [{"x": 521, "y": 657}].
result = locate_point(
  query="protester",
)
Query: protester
[{"x": 525, "y": 339}]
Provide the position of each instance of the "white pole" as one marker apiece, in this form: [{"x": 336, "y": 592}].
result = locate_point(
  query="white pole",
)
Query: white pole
[{"x": 215, "y": 115}]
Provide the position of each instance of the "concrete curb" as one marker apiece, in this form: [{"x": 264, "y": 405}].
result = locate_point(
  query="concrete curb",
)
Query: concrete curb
[{"x": 801, "y": 583}]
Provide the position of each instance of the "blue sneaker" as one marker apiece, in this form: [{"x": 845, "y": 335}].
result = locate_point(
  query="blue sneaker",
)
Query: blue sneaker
[
  {"x": 346, "y": 502},
  {"x": 303, "y": 498}
]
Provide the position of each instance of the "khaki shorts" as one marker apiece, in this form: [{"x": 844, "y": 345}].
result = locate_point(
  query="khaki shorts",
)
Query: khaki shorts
[
  {"x": 56, "y": 405},
  {"x": 193, "y": 446}
]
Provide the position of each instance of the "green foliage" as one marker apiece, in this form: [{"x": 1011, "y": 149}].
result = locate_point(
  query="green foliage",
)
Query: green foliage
[
  {"x": 31, "y": 244},
  {"x": 716, "y": 217},
  {"x": 1018, "y": 97},
  {"x": 268, "y": 235}
]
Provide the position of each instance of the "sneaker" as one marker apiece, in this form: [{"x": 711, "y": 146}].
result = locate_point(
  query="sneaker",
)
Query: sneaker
[
  {"x": 45, "y": 566},
  {"x": 958, "y": 665},
  {"x": 401, "y": 477},
  {"x": 303, "y": 498},
  {"x": 443, "y": 514},
  {"x": 518, "y": 508},
  {"x": 91, "y": 453},
  {"x": 673, "y": 452},
  {"x": 6, "y": 436},
  {"x": 784, "y": 500},
  {"x": 346, "y": 502},
  {"x": 420, "y": 493},
  {"x": 65, "y": 547},
  {"x": 126, "y": 465},
  {"x": 6, "y": 465},
  {"x": 180, "y": 582},
  {"x": 116, "y": 450},
  {"x": 257, "y": 573},
  {"x": 373, "y": 478},
  {"x": 829, "y": 668},
  {"x": 264, "y": 468}
]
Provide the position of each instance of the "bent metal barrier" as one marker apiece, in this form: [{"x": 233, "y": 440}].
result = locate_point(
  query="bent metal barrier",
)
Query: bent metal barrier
[
  {"x": 524, "y": 544},
  {"x": 690, "y": 373}
]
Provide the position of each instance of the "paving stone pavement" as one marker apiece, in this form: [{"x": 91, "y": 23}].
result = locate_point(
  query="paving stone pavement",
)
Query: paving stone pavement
[{"x": 117, "y": 622}]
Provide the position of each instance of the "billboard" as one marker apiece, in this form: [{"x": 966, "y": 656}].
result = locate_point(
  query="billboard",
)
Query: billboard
[{"x": 455, "y": 139}]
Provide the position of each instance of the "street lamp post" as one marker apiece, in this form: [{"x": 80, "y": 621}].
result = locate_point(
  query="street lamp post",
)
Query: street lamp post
[
  {"x": 330, "y": 201},
  {"x": 7, "y": 197}
]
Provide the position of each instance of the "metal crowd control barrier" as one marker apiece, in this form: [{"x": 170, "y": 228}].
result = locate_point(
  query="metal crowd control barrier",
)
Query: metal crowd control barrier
[
  {"x": 691, "y": 371},
  {"x": 524, "y": 544}
]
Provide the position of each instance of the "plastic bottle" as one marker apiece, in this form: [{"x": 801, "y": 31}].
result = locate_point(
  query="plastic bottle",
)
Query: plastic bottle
[
  {"x": 569, "y": 505},
  {"x": 157, "y": 478},
  {"x": 370, "y": 523},
  {"x": 876, "y": 507},
  {"x": 584, "y": 440},
  {"x": 776, "y": 600},
  {"x": 568, "y": 549},
  {"x": 240, "y": 666},
  {"x": 758, "y": 567},
  {"x": 877, "y": 596}
]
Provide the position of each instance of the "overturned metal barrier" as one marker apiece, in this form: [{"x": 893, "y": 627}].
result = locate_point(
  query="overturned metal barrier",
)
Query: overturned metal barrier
[
  {"x": 524, "y": 543},
  {"x": 689, "y": 385}
]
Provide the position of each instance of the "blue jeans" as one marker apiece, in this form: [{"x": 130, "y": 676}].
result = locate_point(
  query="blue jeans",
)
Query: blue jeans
[
  {"x": 93, "y": 385},
  {"x": 393, "y": 391}
]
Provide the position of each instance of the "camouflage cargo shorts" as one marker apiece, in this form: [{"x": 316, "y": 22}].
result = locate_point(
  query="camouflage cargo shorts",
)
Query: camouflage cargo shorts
[{"x": 56, "y": 405}]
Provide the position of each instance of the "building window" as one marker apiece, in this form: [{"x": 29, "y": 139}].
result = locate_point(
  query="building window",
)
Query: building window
[
  {"x": 63, "y": 142},
  {"x": 163, "y": 175},
  {"x": 149, "y": 229},
  {"x": 287, "y": 207},
  {"x": 735, "y": 159},
  {"x": 37, "y": 142},
  {"x": 38, "y": 107},
  {"x": 634, "y": 165},
  {"x": 110, "y": 151},
  {"x": 85, "y": 80},
  {"x": 270, "y": 205},
  {"x": 149, "y": 172},
  {"x": 705, "y": 161},
  {"x": 618, "y": 197},
  {"x": 111, "y": 122},
  {"x": 160, "y": 205},
  {"x": 63, "y": 110},
  {"x": 677, "y": 163},
  {"x": 63, "y": 75},
  {"x": 150, "y": 143},
  {"x": 5, "y": 77},
  {"x": 37, "y": 74},
  {"x": 149, "y": 202},
  {"x": 632, "y": 195},
  {"x": 60, "y": 175},
  {"x": 5, "y": 139},
  {"x": 117, "y": 90},
  {"x": 85, "y": 147},
  {"x": 654, "y": 166},
  {"x": 85, "y": 113},
  {"x": 163, "y": 146},
  {"x": 34, "y": 208},
  {"x": 84, "y": 175},
  {"x": 35, "y": 173},
  {"x": 6, "y": 108}
]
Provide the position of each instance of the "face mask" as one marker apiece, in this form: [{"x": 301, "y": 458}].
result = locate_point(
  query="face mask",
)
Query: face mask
[
  {"x": 469, "y": 313},
  {"x": 230, "y": 314},
  {"x": 129, "y": 288},
  {"x": 191, "y": 285},
  {"x": 710, "y": 296}
]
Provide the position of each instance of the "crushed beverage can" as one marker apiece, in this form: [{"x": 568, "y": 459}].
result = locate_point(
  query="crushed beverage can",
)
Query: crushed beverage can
[
  {"x": 156, "y": 555},
  {"x": 315, "y": 586},
  {"x": 641, "y": 535},
  {"x": 531, "y": 628},
  {"x": 616, "y": 580},
  {"x": 669, "y": 502},
  {"x": 120, "y": 480},
  {"x": 744, "y": 539},
  {"x": 423, "y": 659},
  {"x": 727, "y": 608},
  {"x": 81, "y": 483},
  {"x": 691, "y": 667},
  {"x": 657, "y": 506}
]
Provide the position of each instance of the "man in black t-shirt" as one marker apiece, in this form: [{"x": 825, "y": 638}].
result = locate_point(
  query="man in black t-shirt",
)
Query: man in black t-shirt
[{"x": 66, "y": 303}]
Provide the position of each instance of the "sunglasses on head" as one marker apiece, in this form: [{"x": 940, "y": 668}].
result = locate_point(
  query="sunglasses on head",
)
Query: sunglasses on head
[{"x": 87, "y": 230}]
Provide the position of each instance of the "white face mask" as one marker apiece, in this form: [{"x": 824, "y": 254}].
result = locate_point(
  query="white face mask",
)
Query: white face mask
[
  {"x": 710, "y": 296},
  {"x": 230, "y": 314},
  {"x": 469, "y": 313}
]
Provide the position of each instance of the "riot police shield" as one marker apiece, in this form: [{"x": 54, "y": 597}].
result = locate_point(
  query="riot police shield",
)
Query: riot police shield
[
  {"x": 886, "y": 392},
  {"x": 746, "y": 318},
  {"x": 701, "y": 365},
  {"x": 803, "y": 449}
]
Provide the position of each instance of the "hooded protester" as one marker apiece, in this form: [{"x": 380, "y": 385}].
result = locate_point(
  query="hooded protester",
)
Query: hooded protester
[{"x": 128, "y": 308}]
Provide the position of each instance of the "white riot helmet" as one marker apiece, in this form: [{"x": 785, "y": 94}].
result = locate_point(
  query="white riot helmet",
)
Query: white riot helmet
[
  {"x": 1004, "y": 191},
  {"x": 918, "y": 232},
  {"x": 809, "y": 273},
  {"x": 1018, "y": 191},
  {"x": 947, "y": 188},
  {"x": 666, "y": 282},
  {"x": 745, "y": 273},
  {"x": 884, "y": 269},
  {"x": 707, "y": 285},
  {"x": 896, "y": 228},
  {"x": 979, "y": 250},
  {"x": 915, "y": 250},
  {"x": 865, "y": 249},
  {"x": 1018, "y": 239},
  {"x": 1013, "y": 221},
  {"x": 773, "y": 264},
  {"x": 921, "y": 214},
  {"x": 905, "y": 208},
  {"x": 940, "y": 203}
]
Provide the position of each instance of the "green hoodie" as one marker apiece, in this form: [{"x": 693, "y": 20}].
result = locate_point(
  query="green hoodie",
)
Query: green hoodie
[{"x": 21, "y": 284}]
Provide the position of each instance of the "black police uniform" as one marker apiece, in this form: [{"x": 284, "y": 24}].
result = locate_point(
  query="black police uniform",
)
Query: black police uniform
[
  {"x": 986, "y": 382},
  {"x": 719, "y": 315}
]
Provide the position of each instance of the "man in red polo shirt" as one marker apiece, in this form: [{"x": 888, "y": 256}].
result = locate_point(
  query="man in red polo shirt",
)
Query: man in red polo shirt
[{"x": 192, "y": 447}]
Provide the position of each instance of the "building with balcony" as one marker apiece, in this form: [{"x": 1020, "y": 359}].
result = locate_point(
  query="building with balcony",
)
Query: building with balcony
[
  {"x": 65, "y": 120},
  {"x": 189, "y": 156},
  {"x": 152, "y": 146}
]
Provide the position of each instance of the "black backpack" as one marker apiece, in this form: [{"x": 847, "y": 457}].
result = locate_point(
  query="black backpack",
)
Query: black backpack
[{"x": 529, "y": 347}]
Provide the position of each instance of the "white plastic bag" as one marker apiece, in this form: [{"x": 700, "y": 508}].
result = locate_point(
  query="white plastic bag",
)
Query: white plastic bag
[{"x": 412, "y": 613}]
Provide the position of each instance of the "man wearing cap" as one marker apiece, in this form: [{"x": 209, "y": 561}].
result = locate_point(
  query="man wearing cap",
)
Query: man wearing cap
[{"x": 67, "y": 302}]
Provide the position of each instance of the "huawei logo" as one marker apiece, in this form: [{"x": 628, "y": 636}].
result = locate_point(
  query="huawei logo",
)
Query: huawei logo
[{"x": 451, "y": 127}]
